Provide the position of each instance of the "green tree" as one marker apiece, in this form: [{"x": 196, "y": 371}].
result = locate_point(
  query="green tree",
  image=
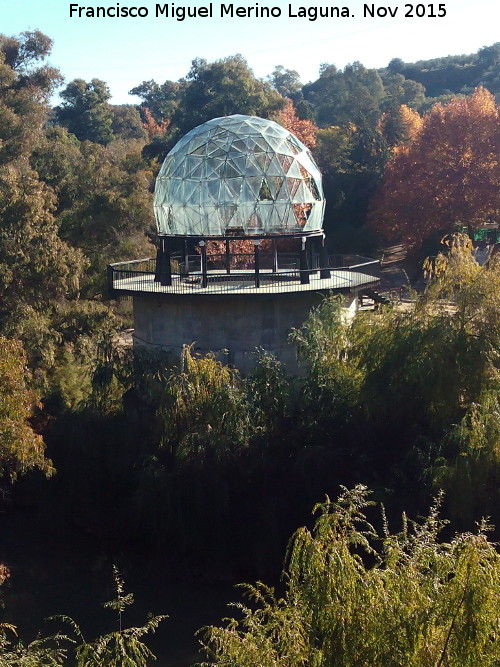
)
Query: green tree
[
  {"x": 203, "y": 410},
  {"x": 123, "y": 647},
  {"x": 352, "y": 159},
  {"x": 222, "y": 88},
  {"x": 25, "y": 85},
  {"x": 358, "y": 597},
  {"x": 86, "y": 112},
  {"x": 399, "y": 90},
  {"x": 127, "y": 123},
  {"x": 42, "y": 652},
  {"x": 161, "y": 99},
  {"x": 286, "y": 82},
  {"x": 104, "y": 207},
  {"x": 21, "y": 449},
  {"x": 351, "y": 95}
]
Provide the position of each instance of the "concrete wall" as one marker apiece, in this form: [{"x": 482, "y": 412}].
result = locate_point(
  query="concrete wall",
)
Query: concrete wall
[{"x": 231, "y": 327}]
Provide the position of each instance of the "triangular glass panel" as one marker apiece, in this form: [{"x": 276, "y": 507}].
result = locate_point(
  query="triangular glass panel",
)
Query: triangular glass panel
[
  {"x": 294, "y": 170},
  {"x": 274, "y": 168},
  {"x": 201, "y": 150},
  {"x": 285, "y": 161},
  {"x": 263, "y": 160},
  {"x": 239, "y": 145},
  {"x": 244, "y": 215},
  {"x": 225, "y": 194},
  {"x": 229, "y": 171},
  {"x": 247, "y": 194},
  {"x": 255, "y": 184},
  {"x": 193, "y": 198},
  {"x": 293, "y": 186},
  {"x": 179, "y": 170},
  {"x": 213, "y": 188},
  {"x": 227, "y": 212},
  {"x": 283, "y": 193},
  {"x": 293, "y": 146},
  {"x": 240, "y": 164},
  {"x": 234, "y": 187},
  {"x": 198, "y": 171},
  {"x": 302, "y": 195},
  {"x": 252, "y": 168},
  {"x": 265, "y": 211},
  {"x": 261, "y": 143},
  {"x": 274, "y": 183},
  {"x": 265, "y": 191},
  {"x": 314, "y": 189},
  {"x": 213, "y": 166}
]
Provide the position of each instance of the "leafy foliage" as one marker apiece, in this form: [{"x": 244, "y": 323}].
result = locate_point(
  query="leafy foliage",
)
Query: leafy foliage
[
  {"x": 203, "y": 409},
  {"x": 123, "y": 647},
  {"x": 305, "y": 130},
  {"x": 356, "y": 597},
  {"x": 447, "y": 177},
  {"x": 85, "y": 111},
  {"x": 20, "y": 448},
  {"x": 42, "y": 652}
]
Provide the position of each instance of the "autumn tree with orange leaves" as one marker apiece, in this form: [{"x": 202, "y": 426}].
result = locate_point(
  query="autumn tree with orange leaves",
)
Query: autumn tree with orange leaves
[
  {"x": 447, "y": 178},
  {"x": 305, "y": 130},
  {"x": 400, "y": 125}
]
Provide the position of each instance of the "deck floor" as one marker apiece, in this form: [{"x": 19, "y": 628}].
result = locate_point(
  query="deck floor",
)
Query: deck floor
[{"x": 234, "y": 284}]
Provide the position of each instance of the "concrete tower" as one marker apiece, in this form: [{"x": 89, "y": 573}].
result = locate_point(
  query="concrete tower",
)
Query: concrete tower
[{"x": 241, "y": 253}]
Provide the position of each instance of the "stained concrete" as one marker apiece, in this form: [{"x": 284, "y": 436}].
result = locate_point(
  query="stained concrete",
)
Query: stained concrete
[{"x": 230, "y": 326}]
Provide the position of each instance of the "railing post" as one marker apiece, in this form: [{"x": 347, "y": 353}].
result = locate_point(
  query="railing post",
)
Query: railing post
[
  {"x": 257, "y": 262},
  {"x": 163, "y": 270},
  {"x": 186, "y": 259},
  {"x": 304, "y": 272},
  {"x": 158, "y": 263},
  {"x": 110, "y": 277},
  {"x": 228, "y": 258},
  {"x": 166, "y": 274},
  {"x": 275, "y": 257},
  {"x": 204, "y": 272},
  {"x": 323, "y": 260}
]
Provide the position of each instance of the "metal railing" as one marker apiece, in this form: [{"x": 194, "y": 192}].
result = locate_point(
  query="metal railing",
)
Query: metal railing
[{"x": 273, "y": 273}]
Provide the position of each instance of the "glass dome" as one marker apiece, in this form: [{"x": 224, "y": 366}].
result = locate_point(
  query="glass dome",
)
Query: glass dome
[{"x": 239, "y": 174}]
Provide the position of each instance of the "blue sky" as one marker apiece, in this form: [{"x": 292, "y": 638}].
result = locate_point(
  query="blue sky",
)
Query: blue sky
[{"x": 126, "y": 51}]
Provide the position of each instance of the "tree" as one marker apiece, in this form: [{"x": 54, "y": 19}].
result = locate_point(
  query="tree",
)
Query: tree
[
  {"x": 23, "y": 55},
  {"x": 127, "y": 123},
  {"x": 305, "y": 130},
  {"x": 102, "y": 198},
  {"x": 351, "y": 95},
  {"x": 85, "y": 111},
  {"x": 352, "y": 159},
  {"x": 400, "y": 124},
  {"x": 24, "y": 90},
  {"x": 21, "y": 449},
  {"x": 36, "y": 265},
  {"x": 151, "y": 126},
  {"x": 447, "y": 178},
  {"x": 123, "y": 647},
  {"x": 399, "y": 90},
  {"x": 161, "y": 99},
  {"x": 286, "y": 82},
  {"x": 222, "y": 88},
  {"x": 358, "y": 597}
]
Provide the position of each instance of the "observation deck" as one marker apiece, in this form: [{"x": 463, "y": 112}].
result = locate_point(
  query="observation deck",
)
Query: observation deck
[{"x": 242, "y": 274}]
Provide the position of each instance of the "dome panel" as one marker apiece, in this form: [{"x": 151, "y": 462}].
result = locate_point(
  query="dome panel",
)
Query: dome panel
[{"x": 238, "y": 172}]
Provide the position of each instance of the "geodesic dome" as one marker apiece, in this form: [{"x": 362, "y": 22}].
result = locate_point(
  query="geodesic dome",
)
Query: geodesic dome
[{"x": 239, "y": 173}]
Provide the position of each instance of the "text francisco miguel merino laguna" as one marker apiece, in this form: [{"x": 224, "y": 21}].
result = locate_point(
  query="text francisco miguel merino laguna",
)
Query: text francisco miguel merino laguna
[{"x": 231, "y": 10}]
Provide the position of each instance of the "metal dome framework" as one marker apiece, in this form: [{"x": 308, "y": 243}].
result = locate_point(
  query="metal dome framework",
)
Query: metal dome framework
[{"x": 239, "y": 175}]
